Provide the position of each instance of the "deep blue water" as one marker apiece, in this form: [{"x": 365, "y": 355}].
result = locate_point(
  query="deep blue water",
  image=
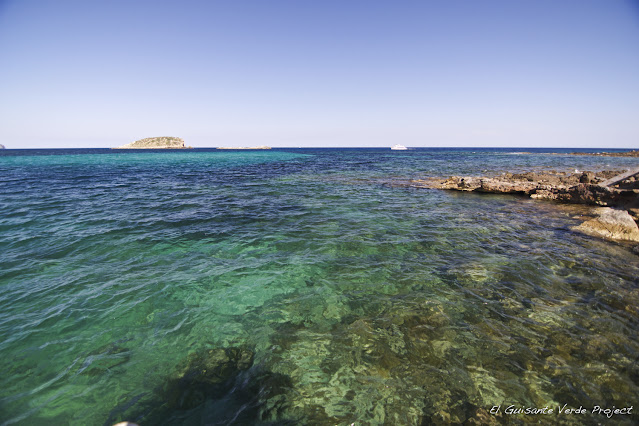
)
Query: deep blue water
[{"x": 303, "y": 285}]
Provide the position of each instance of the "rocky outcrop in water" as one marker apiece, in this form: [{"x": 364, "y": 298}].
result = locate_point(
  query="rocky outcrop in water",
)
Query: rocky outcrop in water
[
  {"x": 576, "y": 188},
  {"x": 1, "y": 146},
  {"x": 611, "y": 223},
  {"x": 162, "y": 142},
  {"x": 579, "y": 187}
]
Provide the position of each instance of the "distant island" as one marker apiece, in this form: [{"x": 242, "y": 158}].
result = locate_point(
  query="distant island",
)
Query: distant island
[
  {"x": 162, "y": 142},
  {"x": 246, "y": 147},
  {"x": 1, "y": 146}
]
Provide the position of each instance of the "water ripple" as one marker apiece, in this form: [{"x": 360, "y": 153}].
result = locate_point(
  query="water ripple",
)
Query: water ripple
[{"x": 358, "y": 300}]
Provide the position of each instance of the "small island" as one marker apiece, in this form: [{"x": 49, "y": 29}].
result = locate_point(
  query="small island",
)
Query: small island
[
  {"x": 162, "y": 142},
  {"x": 1, "y": 146},
  {"x": 245, "y": 147}
]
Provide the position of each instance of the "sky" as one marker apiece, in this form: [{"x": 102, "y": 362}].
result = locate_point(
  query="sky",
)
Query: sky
[{"x": 333, "y": 73}]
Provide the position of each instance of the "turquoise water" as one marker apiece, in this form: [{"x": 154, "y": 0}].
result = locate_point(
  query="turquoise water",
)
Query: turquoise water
[{"x": 308, "y": 286}]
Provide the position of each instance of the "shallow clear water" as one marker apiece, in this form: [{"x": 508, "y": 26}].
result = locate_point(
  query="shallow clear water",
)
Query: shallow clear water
[{"x": 308, "y": 285}]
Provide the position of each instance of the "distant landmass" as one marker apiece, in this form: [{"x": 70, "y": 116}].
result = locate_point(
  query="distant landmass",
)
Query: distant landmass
[
  {"x": 1, "y": 146},
  {"x": 246, "y": 147},
  {"x": 162, "y": 142}
]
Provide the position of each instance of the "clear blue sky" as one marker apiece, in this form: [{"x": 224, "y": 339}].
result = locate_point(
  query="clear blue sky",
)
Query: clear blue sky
[{"x": 549, "y": 73}]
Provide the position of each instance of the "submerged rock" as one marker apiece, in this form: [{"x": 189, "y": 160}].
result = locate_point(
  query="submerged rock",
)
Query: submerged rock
[
  {"x": 162, "y": 142},
  {"x": 212, "y": 386},
  {"x": 611, "y": 223},
  {"x": 205, "y": 374}
]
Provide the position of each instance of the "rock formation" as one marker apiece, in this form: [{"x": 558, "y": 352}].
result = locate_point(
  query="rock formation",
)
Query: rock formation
[
  {"x": 577, "y": 188},
  {"x": 611, "y": 223},
  {"x": 1, "y": 146},
  {"x": 162, "y": 142}
]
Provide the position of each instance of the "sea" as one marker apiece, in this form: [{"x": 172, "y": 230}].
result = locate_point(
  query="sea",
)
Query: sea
[{"x": 306, "y": 286}]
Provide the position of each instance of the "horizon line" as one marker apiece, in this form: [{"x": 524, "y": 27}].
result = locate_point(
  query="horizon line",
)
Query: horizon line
[{"x": 323, "y": 147}]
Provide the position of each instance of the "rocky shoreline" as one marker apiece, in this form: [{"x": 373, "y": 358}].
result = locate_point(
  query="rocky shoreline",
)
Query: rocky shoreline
[{"x": 618, "y": 205}]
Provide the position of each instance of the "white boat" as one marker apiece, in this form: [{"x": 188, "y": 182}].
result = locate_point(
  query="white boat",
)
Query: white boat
[{"x": 399, "y": 147}]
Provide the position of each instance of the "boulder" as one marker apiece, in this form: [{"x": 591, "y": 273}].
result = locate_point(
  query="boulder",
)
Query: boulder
[
  {"x": 586, "y": 177},
  {"x": 612, "y": 224}
]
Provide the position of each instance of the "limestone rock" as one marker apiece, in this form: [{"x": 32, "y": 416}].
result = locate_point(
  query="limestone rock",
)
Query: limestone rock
[
  {"x": 585, "y": 193},
  {"x": 579, "y": 188},
  {"x": 634, "y": 212},
  {"x": 491, "y": 185},
  {"x": 611, "y": 223},
  {"x": 498, "y": 186},
  {"x": 162, "y": 142}
]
